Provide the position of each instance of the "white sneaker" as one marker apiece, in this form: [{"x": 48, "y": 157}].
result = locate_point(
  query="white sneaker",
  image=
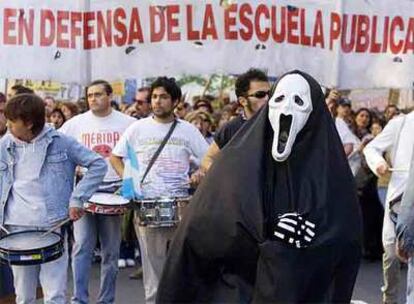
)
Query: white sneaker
[
  {"x": 121, "y": 263},
  {"x": 130, "y": 262}
]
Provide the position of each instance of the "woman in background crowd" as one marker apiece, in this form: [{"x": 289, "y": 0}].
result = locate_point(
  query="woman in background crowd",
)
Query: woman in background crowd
[
  {"x": 69, "y": 109},
  {"x": 366, "y": 181},
  {"x": 57, "y": 118},
  {"x": 182, "y": 109},
  {"x": 203, "y": 121},
  {"x": 203, "y": 104},
  {"x": 227, "y": 113}
]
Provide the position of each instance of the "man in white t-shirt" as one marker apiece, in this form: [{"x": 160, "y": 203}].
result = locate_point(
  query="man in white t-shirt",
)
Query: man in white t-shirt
[
  {"x": 169, "y": 175},
  {"x": 397, "y": 140},
  {"x": 99, "y": 129}
]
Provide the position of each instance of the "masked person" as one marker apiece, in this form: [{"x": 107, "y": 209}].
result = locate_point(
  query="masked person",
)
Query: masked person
[{"x": 281, "y": 224}]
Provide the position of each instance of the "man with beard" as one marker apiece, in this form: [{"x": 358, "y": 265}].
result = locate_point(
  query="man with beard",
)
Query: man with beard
[
  {"x": 168, "y": 175},
  {"x": 252, "y": 91},
  {"x": 276, "y": 219}
]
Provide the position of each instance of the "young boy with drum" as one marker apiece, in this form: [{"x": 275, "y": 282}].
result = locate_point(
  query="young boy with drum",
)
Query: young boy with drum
[{"x": 37, "y": 168}]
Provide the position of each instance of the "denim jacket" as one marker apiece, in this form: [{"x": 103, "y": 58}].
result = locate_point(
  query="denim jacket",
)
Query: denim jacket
[
  {"x": 61, "y": 154},
  {"x": 405, "y": 225}
]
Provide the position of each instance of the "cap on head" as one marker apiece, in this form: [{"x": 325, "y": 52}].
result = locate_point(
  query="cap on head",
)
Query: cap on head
[{"x": 343, "y": 101}]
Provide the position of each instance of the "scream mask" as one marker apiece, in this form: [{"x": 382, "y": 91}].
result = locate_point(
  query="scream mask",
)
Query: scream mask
[{"x": 289, "y": 110}]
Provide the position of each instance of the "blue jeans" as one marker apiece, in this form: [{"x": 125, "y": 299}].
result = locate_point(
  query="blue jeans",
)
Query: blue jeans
[
  {"x": 86, "y": 232},
  {"x": 52, "y": 276}
]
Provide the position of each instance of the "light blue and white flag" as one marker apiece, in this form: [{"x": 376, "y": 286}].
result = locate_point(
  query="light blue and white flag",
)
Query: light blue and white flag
[{"x": 131, "y": 185}]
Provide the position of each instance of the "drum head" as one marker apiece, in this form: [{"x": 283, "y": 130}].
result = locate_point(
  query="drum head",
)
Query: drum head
[
  {"x": 29, "y": 240},
  {"x": 108, "y": 199}
]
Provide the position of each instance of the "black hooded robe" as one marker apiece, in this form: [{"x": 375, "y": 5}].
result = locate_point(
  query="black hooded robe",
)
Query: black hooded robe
[{"x": 224, "y": 250}]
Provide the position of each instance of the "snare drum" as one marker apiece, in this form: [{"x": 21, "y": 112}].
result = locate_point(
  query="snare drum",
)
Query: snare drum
[
  {"x": 30, "y": 247},
  {"x": 106, "y": 204},
  {"x": 161, "y": 212}
]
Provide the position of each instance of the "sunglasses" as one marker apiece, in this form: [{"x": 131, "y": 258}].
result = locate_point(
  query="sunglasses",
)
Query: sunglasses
[
  {"x": 138, "y": 101},
  {"x": 259, "y": 94}
]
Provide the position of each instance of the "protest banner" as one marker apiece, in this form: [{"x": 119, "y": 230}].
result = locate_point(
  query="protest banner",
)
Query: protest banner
[{"x": 344, "y": 44}]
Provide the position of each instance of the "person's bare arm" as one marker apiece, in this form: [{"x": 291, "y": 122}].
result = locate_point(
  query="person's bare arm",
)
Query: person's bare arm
[
  {"x": 118, "y": 164},
  {"x": 348, "y": 149},
  {"x": 211, "y": 154}
]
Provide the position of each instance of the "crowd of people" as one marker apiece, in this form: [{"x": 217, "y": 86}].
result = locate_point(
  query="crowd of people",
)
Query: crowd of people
[{"x": 74, "y": 139}]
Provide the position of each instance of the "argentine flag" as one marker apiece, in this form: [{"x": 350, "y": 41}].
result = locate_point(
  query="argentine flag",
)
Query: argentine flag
[{"x": 131, "y": 188}]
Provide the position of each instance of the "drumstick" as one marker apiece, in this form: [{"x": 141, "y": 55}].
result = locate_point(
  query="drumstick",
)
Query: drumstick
[
  {"x": 58, "y": 225},
  {"x": 4, "y": 229},
  {"x": 398, "y": 169}
]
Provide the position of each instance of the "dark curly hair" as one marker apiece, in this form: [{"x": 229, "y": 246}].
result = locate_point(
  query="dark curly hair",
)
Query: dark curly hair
[
  {"x": 243, "y": 81},
  {"x": 169, "y": 85}
]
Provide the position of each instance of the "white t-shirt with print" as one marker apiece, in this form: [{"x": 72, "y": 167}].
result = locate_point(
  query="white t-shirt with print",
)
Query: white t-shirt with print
[
  {"x": 99, "y": 134},
  {"x": 169, "y": 174}
]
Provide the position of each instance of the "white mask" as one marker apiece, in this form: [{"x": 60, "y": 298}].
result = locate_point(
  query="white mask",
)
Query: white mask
[{"x": 289, "y": 110}]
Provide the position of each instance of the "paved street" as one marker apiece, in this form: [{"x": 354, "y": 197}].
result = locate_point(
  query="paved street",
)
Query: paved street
[{"x": 129, "y": 292}]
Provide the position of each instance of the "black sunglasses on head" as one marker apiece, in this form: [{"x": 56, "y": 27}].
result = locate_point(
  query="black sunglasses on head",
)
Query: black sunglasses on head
[{"x": 259, "y": 94}]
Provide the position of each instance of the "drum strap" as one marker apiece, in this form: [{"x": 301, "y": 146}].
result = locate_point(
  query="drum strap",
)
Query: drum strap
[{"x": 158, "y": 152}]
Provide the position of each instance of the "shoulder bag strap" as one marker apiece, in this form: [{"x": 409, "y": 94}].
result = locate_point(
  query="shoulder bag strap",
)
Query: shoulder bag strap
[{"x": 157, "y": 153}]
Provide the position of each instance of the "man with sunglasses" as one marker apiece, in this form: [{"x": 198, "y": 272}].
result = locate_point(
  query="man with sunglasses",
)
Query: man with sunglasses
[
  {"x": 142, "y": 102},
  {"x": 252, "y": 91}
]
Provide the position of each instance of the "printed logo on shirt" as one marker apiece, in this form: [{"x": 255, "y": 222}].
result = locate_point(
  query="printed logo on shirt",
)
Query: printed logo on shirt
[
  {"x": 103, "y": 150},
  {"x": 101, "y": 142},
  {"x": 173, "y": 141}
]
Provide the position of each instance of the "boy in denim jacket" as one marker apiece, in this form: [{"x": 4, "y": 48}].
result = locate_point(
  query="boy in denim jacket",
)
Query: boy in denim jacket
[{"x": 37, "y": 168}]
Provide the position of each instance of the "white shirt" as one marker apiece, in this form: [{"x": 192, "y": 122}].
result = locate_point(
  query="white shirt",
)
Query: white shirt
[
  {"x": 397, "y": 138},
  {"x": 169, "y": 174},
  {"x": 347, "y": 137},
  {"x": 400, "y": 148},
  {"x": 99, "y": 134}
]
